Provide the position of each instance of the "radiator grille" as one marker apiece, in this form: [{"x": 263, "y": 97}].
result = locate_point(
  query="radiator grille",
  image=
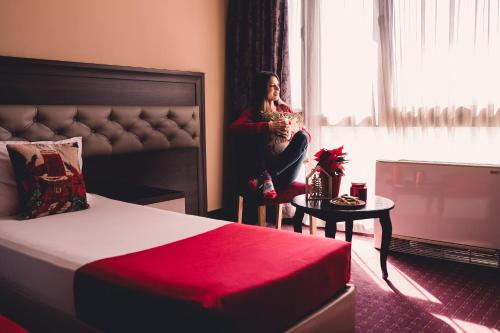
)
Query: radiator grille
[{"x": 490, "y": 258}]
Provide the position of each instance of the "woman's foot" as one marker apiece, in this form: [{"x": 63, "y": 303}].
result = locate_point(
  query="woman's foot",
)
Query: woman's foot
[
  {"x": 254, "y": 184},
  {"x": 265, "y": 181},
  {"x": 268, "y": 190}
]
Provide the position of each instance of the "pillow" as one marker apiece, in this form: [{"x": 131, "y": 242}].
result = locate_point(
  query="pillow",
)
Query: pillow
[
  {"x": 8, "y": 190},
  {"x": 276, "y": 143},
  {"x": 49, "y": 178}
]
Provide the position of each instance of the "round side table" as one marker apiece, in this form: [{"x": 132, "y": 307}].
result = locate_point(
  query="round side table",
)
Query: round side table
[{"x": 377, "y": 207}]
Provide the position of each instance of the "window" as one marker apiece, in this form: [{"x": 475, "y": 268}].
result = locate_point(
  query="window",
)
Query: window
[
  {"x": 405, "y": 79},
  {"x": 403, "y": 63},
  {"x": 445, "y": 57},
  {"x": 348, "y": 61}
]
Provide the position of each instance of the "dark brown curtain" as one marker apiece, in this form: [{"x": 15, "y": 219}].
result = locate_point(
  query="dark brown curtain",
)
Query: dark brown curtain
[{"x": 256, "y": 39}]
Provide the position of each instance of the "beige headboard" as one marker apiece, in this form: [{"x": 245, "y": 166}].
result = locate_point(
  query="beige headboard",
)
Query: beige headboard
[{"x": 105, "y": 129}]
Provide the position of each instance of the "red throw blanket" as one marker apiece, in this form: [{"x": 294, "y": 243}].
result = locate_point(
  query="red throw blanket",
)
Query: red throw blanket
[{"x": 236, "y": 278}]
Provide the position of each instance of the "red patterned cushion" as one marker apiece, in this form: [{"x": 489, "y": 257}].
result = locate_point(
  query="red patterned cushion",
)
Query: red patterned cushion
[
  {"x": 48, "y": 177},
  {"x": 287, "y": 193}
]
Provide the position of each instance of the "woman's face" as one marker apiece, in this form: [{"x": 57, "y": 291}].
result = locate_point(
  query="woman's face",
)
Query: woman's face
[{"x": 273, "y": 89}]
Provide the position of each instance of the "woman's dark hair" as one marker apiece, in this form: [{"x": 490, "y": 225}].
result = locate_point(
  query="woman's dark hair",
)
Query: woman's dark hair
[{"x": 260, "y": 88}]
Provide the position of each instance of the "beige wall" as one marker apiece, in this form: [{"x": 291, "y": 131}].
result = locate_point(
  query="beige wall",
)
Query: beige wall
[{"x": 167, "y": 34}]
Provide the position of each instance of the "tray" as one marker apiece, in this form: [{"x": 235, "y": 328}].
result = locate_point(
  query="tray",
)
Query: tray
[{"x": 361, "y": 204}]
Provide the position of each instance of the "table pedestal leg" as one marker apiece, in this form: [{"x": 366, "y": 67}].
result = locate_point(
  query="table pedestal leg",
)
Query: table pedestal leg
[
  {"x": 348, "y": 230},
  {"x": 330, "y": 229},
  {"x": 385, "y": 223},
  {"x": 297, "y": 220}
]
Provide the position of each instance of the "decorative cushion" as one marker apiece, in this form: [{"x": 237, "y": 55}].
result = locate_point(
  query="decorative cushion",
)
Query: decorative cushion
[
  {"x": 49, "y": 178},
  {"x": 285, "y": 194},
  {"x": 9, "y": 204},
  {"x": 276, "y": 143}
]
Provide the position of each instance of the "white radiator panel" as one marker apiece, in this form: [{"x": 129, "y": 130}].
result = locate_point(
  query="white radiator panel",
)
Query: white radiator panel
[{"x": 439, "y": 202}]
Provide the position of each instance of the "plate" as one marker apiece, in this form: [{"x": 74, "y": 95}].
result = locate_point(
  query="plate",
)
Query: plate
[{"x": 353, "y": 206}]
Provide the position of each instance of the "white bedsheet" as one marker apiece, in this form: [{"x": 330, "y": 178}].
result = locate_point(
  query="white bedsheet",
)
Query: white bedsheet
[{"x": 39, "y": 257}]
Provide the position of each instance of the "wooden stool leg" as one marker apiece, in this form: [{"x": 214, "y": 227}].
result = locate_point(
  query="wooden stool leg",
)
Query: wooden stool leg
[
  {"x": 312, "y": 225},
  {"x": 279, "y": 216},
  {"x": 261, "y": 212},
  {"x": 240, "y": 209}
]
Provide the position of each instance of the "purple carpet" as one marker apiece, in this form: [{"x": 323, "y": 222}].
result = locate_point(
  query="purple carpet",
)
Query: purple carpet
[{"x": 422, "y": 294}]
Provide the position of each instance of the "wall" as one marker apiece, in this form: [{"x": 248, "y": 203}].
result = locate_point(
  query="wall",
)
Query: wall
[{"x": 167, "y": 34}]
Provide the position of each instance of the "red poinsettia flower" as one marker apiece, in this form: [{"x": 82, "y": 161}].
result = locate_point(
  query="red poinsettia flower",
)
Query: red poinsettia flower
[{"x": 331, "y": 160}]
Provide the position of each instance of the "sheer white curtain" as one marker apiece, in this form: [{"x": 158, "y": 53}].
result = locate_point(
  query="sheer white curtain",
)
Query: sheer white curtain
[
  {"x": 401, "y": 63},
  {"x": 339, "y": 63},
  {"x": 295, "y": 54},
  {"x": 348, "y": 62},
  {"x": 312, "y": 70},
  {"x": 444, "y": 62}
]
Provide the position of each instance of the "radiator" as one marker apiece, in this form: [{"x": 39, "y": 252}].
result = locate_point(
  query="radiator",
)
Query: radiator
[{"x": 443, "y": 210}]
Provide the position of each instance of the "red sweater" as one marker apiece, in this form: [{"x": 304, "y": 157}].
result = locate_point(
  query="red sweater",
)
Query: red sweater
[
  {"x": 246, "y": 125},
  {"x": 7, "y": 326}
]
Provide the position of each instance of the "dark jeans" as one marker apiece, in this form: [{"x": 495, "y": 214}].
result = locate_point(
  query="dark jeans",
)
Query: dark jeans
[{"x": 285, "y": 167}]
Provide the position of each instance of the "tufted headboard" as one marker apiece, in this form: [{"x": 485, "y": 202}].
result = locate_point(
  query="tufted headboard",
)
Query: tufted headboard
[
  {"x": 105, "y": 130},
  {"x": 144, "y": 126}
]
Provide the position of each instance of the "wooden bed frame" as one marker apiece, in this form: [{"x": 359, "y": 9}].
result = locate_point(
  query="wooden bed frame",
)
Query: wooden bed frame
[
  {"x": 43, "y": 82},
  {"x": 336, "y": 316}
]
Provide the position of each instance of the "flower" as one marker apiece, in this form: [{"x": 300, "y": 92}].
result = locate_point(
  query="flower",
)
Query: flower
[{"x": 331, "y": 160}]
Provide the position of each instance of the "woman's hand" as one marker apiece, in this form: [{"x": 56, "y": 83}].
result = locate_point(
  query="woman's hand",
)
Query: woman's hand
[{"x": 280, "y": 127}]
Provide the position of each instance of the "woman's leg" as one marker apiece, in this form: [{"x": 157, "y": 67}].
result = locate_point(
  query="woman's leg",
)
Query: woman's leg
[
  {"x": 289, "y": 175},
  {"x": 286, "y": 166}
]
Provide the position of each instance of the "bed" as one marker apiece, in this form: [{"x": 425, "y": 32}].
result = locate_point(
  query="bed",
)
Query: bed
[{"x": 247, "y": 286}]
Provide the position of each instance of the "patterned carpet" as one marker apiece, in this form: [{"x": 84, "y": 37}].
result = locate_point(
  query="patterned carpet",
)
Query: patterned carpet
[{"x": 423, "y": 294}]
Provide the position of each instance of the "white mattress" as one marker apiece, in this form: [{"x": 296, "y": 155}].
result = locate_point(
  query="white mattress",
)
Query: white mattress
[{"x": 39, "y": 257}]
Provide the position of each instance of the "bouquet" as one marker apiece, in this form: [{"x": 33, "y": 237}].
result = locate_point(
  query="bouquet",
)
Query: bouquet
[{"x": 332, "y": 160}]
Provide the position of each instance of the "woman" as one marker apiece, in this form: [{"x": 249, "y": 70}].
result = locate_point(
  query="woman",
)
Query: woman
[{"x": 280, "y": 150}]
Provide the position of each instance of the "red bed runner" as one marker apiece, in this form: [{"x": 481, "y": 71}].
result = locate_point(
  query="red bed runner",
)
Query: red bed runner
[{"x": 236, "y": 278}]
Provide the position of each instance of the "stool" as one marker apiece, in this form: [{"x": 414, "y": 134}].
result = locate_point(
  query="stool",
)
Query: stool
[{"x": 285, "y": 195}]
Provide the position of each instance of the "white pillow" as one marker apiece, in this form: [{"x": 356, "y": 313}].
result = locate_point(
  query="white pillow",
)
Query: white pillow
[{"x": 8, "y": 188}]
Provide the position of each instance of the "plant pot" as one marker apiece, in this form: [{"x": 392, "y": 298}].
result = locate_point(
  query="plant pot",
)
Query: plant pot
[
  {"x": 336, "y": 185},
  {"x": 334, "y": 188}
]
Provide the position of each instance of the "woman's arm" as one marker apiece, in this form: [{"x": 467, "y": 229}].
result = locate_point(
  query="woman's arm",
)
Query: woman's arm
[
  {"x": 244, "y": 125},
  {"x": 286, "y": 108}
]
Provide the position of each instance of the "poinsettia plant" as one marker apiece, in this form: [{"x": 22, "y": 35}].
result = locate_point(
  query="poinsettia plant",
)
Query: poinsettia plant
[{"x": 332, "y": 160}]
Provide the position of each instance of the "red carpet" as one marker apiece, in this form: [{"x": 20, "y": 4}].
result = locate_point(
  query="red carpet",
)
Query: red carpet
[{"x": 423, "y": 294}]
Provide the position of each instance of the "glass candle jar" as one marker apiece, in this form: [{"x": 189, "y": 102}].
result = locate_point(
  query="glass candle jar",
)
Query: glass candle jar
[{"x": 359, "y": 190}]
